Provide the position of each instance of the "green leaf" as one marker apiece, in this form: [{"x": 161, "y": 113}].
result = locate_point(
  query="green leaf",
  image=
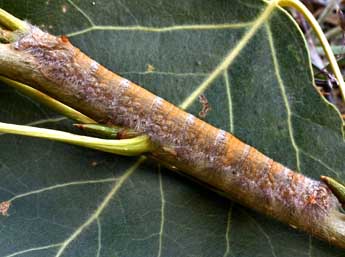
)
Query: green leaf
[{"x": 71, "y": 201}]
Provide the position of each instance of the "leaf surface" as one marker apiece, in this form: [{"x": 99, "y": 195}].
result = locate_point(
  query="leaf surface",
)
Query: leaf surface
[{"x": 70, "y": 201}]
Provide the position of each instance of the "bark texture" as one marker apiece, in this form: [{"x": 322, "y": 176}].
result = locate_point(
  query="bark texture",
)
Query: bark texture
[{"x": 213, "y": 156}]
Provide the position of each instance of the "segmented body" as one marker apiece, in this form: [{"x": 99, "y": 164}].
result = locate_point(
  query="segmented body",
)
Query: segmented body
[{"x": 209, "y": 154}]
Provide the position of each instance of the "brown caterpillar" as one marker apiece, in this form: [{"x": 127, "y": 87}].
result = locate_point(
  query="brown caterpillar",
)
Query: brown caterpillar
[{"x": 213, "y": 156}]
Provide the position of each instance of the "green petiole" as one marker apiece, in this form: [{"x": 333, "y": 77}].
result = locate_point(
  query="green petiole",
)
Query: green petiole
[
  {"x": 48, "y": 101},
  {"x": 12, "y": 23},
  {"x": 108, "y": 131},
  {"x": 322, "y": 38},
  {"x": 127, "y": 147},
  {"x": 134, "y": 146},
  {"x": 336, "y": 187}
]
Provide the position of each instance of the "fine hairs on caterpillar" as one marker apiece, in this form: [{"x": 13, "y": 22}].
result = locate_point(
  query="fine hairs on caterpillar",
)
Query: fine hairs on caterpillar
[{"x": 210, "y": 155}]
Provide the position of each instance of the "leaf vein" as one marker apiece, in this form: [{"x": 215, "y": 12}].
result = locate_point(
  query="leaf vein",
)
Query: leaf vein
[
  {"x": 228, "y": 93},
  {"x": 162, "y": 214},
  {"x": 34, "y": 249},
  {"x": 310, "y": 252},
  {"x": 263, "y": 232},
  {"x": 81, "y": 12},
  {"x": 284, "y": 96},
  {"x": 74, "y": 183},
  {"x": 101, "y": 207},
  {"x": 99, "y": 237},
  {"x": 321, "y": 162},
  {"x": 228, "y": 230},
  {"x": 161, "y": 29},
  {"x": 230, "y": 57},
  {"x": 164, "y": 73}
]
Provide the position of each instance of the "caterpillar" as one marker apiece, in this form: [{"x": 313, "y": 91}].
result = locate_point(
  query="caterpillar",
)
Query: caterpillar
[{"x": 211, "y": 155}]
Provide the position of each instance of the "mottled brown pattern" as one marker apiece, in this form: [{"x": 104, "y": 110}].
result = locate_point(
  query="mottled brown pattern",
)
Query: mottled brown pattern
[{"x": 184, "y": 141}]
